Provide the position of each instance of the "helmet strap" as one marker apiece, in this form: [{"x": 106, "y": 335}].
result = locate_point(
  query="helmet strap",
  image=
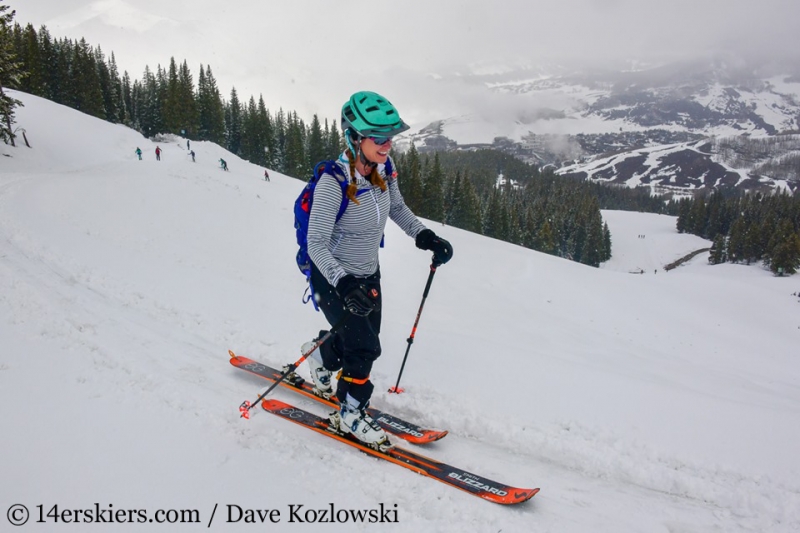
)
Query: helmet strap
[{"x": 368, "y": 165}]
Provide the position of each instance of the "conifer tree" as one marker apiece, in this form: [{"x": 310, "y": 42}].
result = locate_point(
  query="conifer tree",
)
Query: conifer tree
[
  {"x": 718, "y": 253},
  {"x": 108, "y": 87},
  {"x": 88, "y": 94},
  {"x": 210, "y": 109},
  {"x": 411, "y": 183},
  {"x": 432, "y": 202},
  {"x": 784, "y": 249},
  {"x": 267, "y": 134},
  {"x": 546, "y": 239},
  {"x": 317, "y": 151},
  {"x": 492, "y": 219},
  {"x": 10, "y": 75},
  {"x": 29, "y": 55},
  {"x": 187, "y": 115},
  {"x": 233, "y": 124},
  {"x": 335, "y": 142},
  {"x": 280, "y": 141},
  {"x": 606, "y": 242}
]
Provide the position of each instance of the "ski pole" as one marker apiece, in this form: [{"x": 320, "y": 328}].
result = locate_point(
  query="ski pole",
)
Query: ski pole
[
  {"x": 396, "y": 389},
  {"x": 244, "y": 409}
]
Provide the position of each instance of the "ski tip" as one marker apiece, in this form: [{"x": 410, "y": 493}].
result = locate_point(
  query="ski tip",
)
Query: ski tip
[
  {"x": 513, "y": 496},
  {"x": 431, "y": 435}
]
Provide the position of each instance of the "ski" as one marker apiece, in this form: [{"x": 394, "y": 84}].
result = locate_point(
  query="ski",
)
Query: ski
[
  {"x": 392, "y": 424},
  {"x": 450, "y": 475}
]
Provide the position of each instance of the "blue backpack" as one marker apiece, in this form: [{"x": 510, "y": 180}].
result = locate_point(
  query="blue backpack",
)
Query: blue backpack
[{"x": 302, "y": 213}]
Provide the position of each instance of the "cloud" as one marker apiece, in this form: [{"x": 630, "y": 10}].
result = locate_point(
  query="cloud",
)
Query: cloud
[{"x": 309, "y": 55}]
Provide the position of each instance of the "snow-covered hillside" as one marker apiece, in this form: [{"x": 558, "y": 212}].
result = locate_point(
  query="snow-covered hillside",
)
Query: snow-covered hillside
[
  {"x": 683, "y": 168},
  {"x": 705, "y": 96},
  {"x": 648, "y": 403}
]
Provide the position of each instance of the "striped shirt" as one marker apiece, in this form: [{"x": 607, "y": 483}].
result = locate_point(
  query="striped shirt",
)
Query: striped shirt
[{"x": 350, "y": 246}]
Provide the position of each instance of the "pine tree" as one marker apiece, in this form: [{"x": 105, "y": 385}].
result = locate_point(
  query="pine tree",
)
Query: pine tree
[
  {"x": 187, "y": 113},
  {"x": 88, "y": 91},
  {"x": 10, "y": 75},
  {"x": 784, "y": 249},
  {"x": 546, "y": 239},
  {"x": 317, "y": 151},
  {"x": 718, "y": 254},
  {"x": 592, "y": 253},
  {"x": 411, "y": 182},
  {"x": 280, "y": 141},
  {"x": 606, "y": 242},
  {"x": 736, "y": 248},
  {"x": 210, "y": 109},
  {"x": 233, "y": 124},
  {"x": 335, "y": 143},
  {"x": 267, "y": 134},
  {"x": 432, "y": 204},
  {"x": 172, "y": 104},
  {"x": 108, "y": 87},
  {"x": 127, "y": 99},
  {"x": 295, "y": 156},
  {"x": 30, "y": 57},
  {"x": 492, "y": 216}
]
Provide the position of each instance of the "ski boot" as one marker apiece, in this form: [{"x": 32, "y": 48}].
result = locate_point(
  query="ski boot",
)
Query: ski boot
[
  {"x": 353, "y": 418},
  {"x": 320, "y": 376}
]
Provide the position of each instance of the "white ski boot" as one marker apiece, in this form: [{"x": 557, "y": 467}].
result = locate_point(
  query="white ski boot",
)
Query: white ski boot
[
  {"x": 351, "y": 419},
  {"x": 320, "y": 376}
]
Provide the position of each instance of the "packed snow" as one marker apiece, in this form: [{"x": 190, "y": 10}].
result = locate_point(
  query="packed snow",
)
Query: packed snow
[{"x": 663, "y": 401}]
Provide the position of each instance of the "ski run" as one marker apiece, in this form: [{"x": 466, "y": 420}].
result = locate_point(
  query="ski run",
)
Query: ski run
[{"x": 637, "y": 403}]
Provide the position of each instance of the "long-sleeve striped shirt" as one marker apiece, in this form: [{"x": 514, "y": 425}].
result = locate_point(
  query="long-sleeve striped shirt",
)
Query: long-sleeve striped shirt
[{"x": 350, "y": 246}]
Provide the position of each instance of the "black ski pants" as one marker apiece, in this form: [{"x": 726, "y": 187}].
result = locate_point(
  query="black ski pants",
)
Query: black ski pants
[{"x": 356, "y": 346}]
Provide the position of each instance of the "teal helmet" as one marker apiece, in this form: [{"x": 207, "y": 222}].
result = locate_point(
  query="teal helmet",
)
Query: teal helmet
[{"x": 368, "y": 114}]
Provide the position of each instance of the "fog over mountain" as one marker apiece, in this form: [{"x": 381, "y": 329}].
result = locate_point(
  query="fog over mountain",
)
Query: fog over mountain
[{"x": 309, "y": 54}]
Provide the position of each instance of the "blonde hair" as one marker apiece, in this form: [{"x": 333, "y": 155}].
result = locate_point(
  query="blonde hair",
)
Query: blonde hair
[{"x": 374, "y": 177}]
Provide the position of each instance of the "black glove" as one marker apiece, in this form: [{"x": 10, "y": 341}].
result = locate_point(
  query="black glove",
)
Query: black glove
[
  {"x": 358, "y": 299},
  {"x": 442, "y": 250}
]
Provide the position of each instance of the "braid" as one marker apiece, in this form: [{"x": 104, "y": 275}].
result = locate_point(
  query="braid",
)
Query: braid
[{"x": 374, "y": 177}]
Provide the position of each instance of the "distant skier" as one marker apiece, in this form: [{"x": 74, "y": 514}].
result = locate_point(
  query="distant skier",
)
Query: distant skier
[
  {"x": 158, "y": 153},
  {"x": 139, "y": 153},
  {"x": 223, "y": 164},
  {"x": 192, "y": 154},
  {"x": 266, "y": 175},
  {"x": 187, "y": 144},
  {"x": 345, "y": 273}
]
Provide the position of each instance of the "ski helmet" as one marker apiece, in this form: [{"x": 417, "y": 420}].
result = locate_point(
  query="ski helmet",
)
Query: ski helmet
[{"x": 370, "y": 114}]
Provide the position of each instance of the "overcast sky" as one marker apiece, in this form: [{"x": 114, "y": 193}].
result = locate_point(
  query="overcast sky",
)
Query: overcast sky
[{"x": 309, "y": 55}]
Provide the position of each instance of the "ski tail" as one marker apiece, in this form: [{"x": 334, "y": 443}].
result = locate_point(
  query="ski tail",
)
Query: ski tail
[{"x": 396, "y": 426}]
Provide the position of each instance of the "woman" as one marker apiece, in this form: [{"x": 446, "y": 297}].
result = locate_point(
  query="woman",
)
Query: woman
[{"x": 345, "y": 272}]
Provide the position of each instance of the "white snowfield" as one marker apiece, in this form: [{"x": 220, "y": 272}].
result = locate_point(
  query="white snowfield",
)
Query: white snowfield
[{"x": 653, "y": 402}]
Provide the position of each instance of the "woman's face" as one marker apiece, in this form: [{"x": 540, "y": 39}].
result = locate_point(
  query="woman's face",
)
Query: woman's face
[{"x": 375, "y": 152}]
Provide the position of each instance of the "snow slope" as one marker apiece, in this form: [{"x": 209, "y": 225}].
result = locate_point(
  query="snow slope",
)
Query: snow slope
[{"x": 645, "y": 403}]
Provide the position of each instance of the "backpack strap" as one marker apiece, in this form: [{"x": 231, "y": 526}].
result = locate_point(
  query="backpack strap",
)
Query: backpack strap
[{"x": 332, "y": 168}]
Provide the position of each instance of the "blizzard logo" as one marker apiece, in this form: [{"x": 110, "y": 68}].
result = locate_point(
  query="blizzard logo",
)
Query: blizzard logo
[
  {"x": 400, "y": 427},
  {"x": 477, "y": 484}
]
